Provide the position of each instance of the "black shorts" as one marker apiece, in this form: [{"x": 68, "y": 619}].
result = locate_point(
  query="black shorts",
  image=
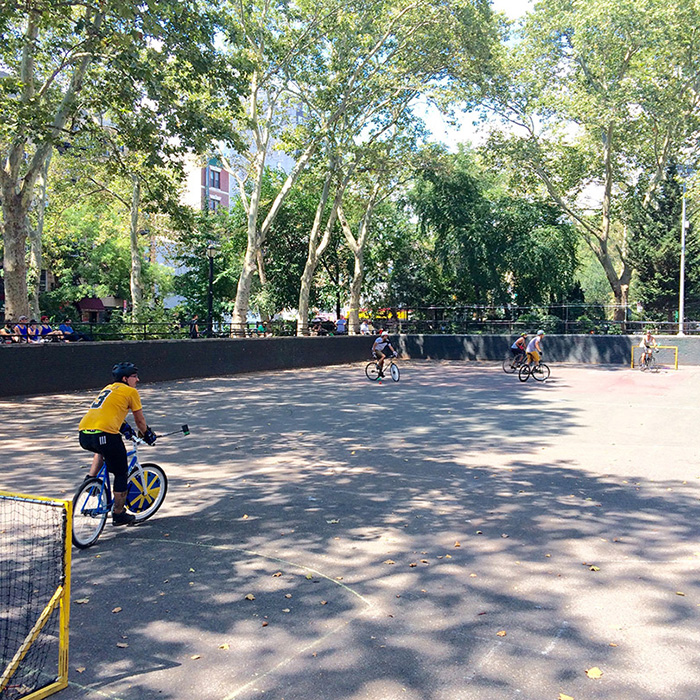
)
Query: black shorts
[
  {"x": 112, "y": 448},
  {"x": 386, "y": 352},
  {"x": 517, "y": 352}
]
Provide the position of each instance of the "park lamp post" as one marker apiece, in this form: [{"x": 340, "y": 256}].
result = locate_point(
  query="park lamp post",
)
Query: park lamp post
[
  {"x": 211, "y": 252},
  {"x": 684, "y": 171}
]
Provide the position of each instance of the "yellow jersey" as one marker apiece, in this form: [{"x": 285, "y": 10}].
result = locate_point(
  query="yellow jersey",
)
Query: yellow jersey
[{"x": 111, "y": 407}]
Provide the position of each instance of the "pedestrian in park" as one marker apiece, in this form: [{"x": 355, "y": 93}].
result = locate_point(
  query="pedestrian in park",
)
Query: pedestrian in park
[
  {"x": 194, "y": 326},
  {"x": 21, "y": 330},
  {"x": 48, "y": 334},
  {"x": 341, "y": 325},
  {"x": 364, "y": 327}
]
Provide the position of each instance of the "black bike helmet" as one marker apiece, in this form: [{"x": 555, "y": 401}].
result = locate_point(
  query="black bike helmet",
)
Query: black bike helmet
[{"x": 124, "y": 369}]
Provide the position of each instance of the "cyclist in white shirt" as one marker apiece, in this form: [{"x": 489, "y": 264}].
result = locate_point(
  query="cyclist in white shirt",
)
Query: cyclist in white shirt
[
  {"x": 534, "y": 349},
  {"x": 381, "y": 349},
  {"x": 648, "y": 342}
]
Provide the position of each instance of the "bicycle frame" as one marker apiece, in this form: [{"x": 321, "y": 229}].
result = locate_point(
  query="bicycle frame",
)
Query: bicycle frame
[{"x": 133, "y": 464}]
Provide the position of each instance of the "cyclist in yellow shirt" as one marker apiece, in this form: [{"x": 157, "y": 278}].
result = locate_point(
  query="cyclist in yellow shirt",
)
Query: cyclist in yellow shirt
[{"x": 101, "y": 428}]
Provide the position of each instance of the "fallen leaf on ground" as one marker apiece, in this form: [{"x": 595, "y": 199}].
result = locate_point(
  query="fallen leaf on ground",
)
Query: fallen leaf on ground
[
  {"x": 276, "y": 575},
  {"x": 195, "y": 656},
  {"x": 117, "y": 610},
  {"x": 564, "y": 697},
  {"x": 309, "y": 577},
  {"x": 122, "y": 645},
  {"x": 412, "y": 564},
  {"x": 389, "y": 561},
  {"x": 250, "y": 596},
  {"x": 287, "y": 595},
  {"x": 223, "y": 646},
  {"x": 80, "y": 669},
  {"x": 594, "y": 568},
  {"x": 680, "y": 593},
  {"x": 286, "y": 610},
  {"x": 457, "y": 544},
  {"x": 594, "y": 672},
  {"x": 265, "y": 623},
  {"x": 502, "y": 633},
  {"x": 335, "y": 521},
  {"x": 82, "y": 601},
  {"x": 324, "y": 602}
]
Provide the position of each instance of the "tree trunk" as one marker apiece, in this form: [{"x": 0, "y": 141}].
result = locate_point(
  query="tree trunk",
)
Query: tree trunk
[
  {"x": 316, "y": 248},
  {"x": 357, "y": 246},
  {"x": 15, "y": 254},
  {"x": 35, "y": 242},
  {"x": 136, "y": 281}
]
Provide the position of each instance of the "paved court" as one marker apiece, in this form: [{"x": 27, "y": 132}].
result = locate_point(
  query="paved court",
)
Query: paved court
[{"x": 456, "y": 535}]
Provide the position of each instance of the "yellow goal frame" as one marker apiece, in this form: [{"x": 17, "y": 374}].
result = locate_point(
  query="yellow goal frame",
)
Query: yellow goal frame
[
  {"x": 60, "y": 599},
  {"x": 665, "y": 347}
]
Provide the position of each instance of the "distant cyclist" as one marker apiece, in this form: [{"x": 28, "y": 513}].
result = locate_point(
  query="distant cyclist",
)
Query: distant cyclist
[
  {"x": 101, "y": 428},
  {"x": 534, "y": 349},
  {"x": 518, "y": 348},
  {"x": 381, "y": 349},
  {"x": 648, "y": 342}
]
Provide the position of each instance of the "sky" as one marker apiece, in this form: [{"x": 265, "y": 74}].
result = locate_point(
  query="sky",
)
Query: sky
[{"x": 449, "y": 134}]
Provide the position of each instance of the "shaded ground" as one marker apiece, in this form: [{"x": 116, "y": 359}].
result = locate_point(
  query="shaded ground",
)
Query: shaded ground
[{"x": 388, "y": 534}]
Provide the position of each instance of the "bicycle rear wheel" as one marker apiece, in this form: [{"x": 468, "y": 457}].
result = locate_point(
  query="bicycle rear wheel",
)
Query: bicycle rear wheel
[
  {"x": 372, "y": 371},
  {"x": 509, "y": 364},
  {"x": 90, "y": 512},
  {"x": 540, "y": 372},
  {"x": 144, "y": 499},
  {"x": 524, "y": 373},
  {"x": 395, "y": 373}
]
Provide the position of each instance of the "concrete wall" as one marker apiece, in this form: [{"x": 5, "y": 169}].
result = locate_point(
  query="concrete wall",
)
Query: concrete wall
[{"x": 52, "y": 368}]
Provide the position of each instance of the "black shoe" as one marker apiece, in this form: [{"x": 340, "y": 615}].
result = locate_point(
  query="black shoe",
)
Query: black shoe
[{"x": 123, "y": 518}]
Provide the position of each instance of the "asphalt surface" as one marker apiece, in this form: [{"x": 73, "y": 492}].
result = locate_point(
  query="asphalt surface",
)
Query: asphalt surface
[{"x": 458, "y": 534}]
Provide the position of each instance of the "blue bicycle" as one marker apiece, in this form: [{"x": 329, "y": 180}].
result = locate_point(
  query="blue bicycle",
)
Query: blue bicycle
[{"x": 147, "y": 485}]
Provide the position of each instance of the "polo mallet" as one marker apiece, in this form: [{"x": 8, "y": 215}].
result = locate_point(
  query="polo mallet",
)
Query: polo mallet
[{"x": 184, "y": 429}]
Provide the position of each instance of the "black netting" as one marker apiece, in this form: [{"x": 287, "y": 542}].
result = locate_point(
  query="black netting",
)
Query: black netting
[{"x": 32, "y": 553}]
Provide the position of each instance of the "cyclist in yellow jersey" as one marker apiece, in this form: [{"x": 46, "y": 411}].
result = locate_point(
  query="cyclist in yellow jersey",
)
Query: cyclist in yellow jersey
[{"x": 101, "y": 428}]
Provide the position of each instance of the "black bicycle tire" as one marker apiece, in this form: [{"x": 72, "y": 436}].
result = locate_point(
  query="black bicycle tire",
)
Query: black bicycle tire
[
  {"x": 372, "y": 371},
  {"x": 394, "y": 369},
  {"x": 77, "y": 513},
  {"x": 653, "y": 366},
  {"x": 545, "y": 371},
  {"x": 509, "y": 366},
  {"x": 143, "y": 515},
  {"x": 524, "y": 373}
]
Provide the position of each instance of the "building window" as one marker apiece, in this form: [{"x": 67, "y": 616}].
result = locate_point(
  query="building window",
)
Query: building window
[
  {"x": 215, "y": 179},
  {"x": 214, "y": 204}
]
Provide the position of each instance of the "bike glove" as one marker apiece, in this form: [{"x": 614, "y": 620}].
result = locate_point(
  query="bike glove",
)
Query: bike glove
[
  {"x": 149, "y": 437},
  {"x": 127, "y": 431}
]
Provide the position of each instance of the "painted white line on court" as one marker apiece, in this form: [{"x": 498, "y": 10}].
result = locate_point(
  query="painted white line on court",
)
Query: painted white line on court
[{"x": 560, "y": 632}]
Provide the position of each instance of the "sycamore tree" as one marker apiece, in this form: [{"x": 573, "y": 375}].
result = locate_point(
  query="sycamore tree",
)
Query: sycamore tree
[
  {"x": 594, "y": 93},
  {"x": 65, "y": 66},
  {"x": 320, "y": 70}
]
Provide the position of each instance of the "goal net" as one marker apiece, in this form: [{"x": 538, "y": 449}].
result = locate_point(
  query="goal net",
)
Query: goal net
[
  {"x": 34, "y": 595},
  {"x": 665, "y": 356}
]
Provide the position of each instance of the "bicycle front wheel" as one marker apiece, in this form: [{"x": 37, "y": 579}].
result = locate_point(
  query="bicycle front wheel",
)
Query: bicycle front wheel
[
  {"x": 652, "y": 366},
  {"x": 509, "y": 364},
  {"x": 144, "y": 499},
  {"x": 395, "y": 373},
  {"x": 372, "y": 371},
  {"x": 90, "y": 512},
  {"x": 540, "y": 372},
  {"x": 524, "y": 373}
]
